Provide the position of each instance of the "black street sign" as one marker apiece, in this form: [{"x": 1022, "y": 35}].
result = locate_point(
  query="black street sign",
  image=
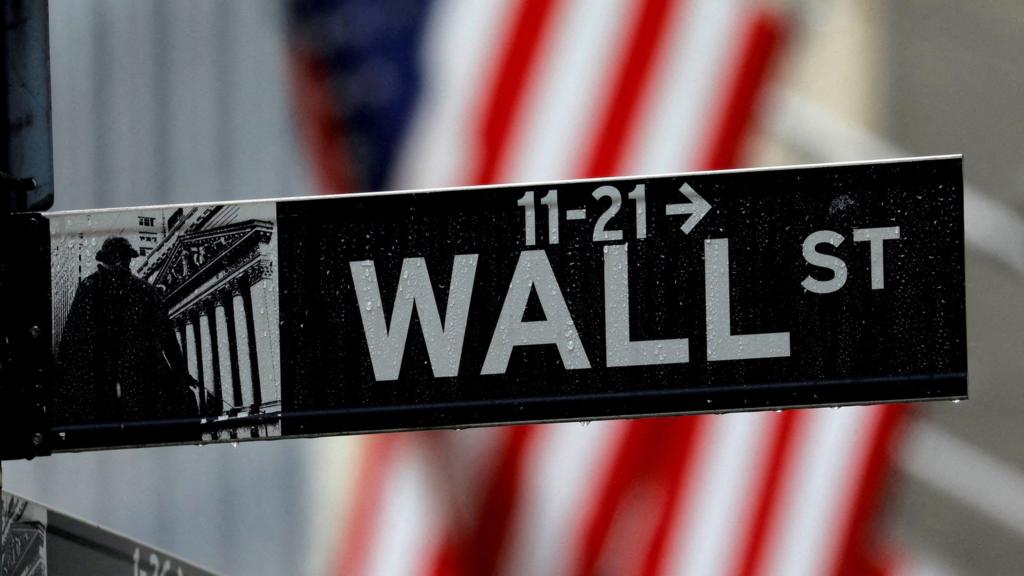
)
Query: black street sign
[
  {"x": 707, "y": 292},
  {"x": 38, "y": 541}
]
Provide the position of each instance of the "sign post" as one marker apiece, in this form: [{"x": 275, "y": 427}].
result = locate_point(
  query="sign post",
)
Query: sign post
[{"x": 726, "y": 291}]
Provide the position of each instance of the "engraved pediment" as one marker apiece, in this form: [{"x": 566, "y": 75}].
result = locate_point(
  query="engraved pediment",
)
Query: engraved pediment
[{"x": 197, "y": 255}]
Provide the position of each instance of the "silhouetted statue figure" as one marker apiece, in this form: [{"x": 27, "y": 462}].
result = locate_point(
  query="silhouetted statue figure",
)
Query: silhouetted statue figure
[{"x": 119, "y": 357}]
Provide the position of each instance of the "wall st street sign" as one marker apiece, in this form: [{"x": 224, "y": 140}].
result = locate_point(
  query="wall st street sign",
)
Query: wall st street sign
[{"x": 707, "y": 292}]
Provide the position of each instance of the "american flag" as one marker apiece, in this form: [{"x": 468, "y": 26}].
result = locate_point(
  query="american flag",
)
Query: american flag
[{"x": 399, "y": 94}]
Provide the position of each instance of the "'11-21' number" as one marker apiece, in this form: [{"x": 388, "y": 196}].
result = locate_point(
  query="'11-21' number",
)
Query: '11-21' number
[{"x": 601, "y": 231}]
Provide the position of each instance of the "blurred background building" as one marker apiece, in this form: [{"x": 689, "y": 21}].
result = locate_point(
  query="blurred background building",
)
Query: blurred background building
[{"x": 166, "y": 102}]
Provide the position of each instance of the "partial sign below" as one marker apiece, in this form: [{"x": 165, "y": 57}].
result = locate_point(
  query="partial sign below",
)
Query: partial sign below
[
  {"x": 37, "y": 541},
  {"x": 705, "y": 292}
]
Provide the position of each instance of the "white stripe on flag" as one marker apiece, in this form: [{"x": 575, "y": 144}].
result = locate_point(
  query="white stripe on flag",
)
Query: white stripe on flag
[
  {"x": 570, "y": 85},
  {"x": 716, "y": 511},
  {"x": 689, "y": 79},
  {"x": 460, "y": 52},
  {"x": 560, "y": 479},
  {"x": 818, "y": 488},
  {"x": 404, "y": 528}
]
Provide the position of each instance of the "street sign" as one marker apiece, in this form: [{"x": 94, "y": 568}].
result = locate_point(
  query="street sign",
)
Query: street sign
[
  {"x": 707, "y": 292},
  {"x": 37, "y": 540}
]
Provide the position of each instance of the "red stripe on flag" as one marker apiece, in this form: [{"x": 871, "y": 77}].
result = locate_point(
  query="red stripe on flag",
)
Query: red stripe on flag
[
  {"x": 889, "y": 562},
  {"x": 448, "y": 556},
  {"x": 500, "y": 503},
  {"x": 650, "y": 459},
  {"x": 514, "y": 70},
  {"x": 678, "y": 479},
  {"x": 762, "y": 37},
  {"x": 631, "y": 83},
  {"x": 319, "y": 124},
  {"x": 855, "y": 553},
  {"x": 474, "y": 544},
  {"x": 780, "y": 455},
  {"x": 378, "y": 458},
  {"x": 448, "y": 560},
  {"x": 624, "y": 467}
]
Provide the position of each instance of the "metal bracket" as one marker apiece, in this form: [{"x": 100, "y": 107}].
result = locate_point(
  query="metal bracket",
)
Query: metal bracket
[
  {"x": 16, "y": 189},
  {"x": 26, "y": 184},
  {"x": 25, "y": 350}
]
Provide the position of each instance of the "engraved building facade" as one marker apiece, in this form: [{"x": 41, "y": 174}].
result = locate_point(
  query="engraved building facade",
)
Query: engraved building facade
[{"x": 214, "y": 267}]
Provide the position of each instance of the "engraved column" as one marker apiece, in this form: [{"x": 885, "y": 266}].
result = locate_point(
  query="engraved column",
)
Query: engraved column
[
  {"x": 226, "y": 305},
  {"x": 254, "y": 359},
  {"x": 200, "y": 366},
  {"x": 244, "y": 344},
  {"x": 213, "y": 362},
  {"x": 181, "y": 328}
]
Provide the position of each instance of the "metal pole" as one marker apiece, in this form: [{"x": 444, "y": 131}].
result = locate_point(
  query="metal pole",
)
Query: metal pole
[
  {"x": 26, "y": 142},
  {"x": 26, "y": 184}
]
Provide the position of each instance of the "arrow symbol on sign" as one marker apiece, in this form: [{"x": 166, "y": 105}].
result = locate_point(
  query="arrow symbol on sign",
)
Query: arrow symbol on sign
[{"x": 697, "y": 208}]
